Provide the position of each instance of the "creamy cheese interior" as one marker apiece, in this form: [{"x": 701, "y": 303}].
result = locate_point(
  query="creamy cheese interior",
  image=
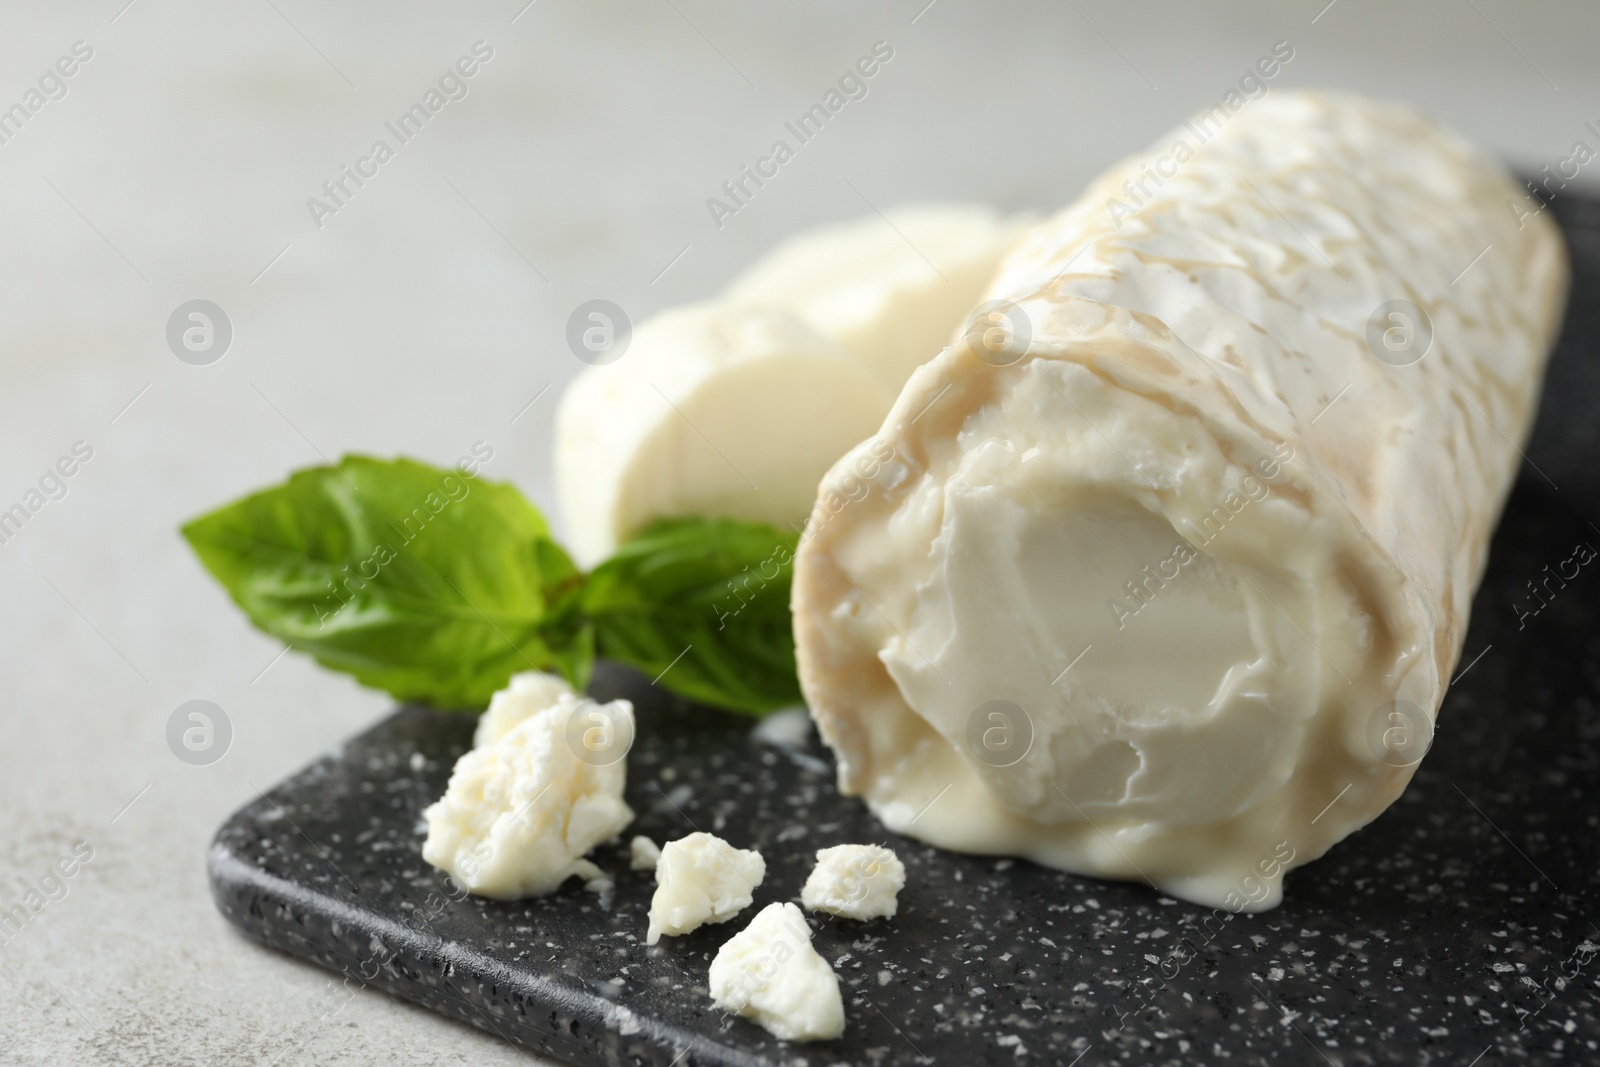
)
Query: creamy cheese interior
[
  {"x": 1085, "y": 644},
  {"x": 1153, "y": 675}
]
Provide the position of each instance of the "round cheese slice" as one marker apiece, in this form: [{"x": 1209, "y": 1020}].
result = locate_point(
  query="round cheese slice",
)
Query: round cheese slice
[{"x": 1161, "y": 572}]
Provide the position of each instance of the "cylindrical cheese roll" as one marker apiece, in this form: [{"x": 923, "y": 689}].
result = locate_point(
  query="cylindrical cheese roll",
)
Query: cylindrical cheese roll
[{"x": 1160, "y": 573}]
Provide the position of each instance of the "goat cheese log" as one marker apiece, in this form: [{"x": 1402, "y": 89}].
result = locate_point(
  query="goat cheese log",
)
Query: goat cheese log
[
  {"x": 1160, "y": 573},
  {"x": 736, "y": 407},
  {"x": 715, "y": 409},
  {"x": 890, "y": 288}
]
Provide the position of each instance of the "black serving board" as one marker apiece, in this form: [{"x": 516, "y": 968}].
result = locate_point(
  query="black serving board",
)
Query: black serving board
[{"x": 1461, "y": 924}]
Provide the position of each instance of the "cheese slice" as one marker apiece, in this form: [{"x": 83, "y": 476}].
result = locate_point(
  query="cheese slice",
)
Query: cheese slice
[
  {"x": 735, "y": 408},
  {"x": 1163, "y": 570}
]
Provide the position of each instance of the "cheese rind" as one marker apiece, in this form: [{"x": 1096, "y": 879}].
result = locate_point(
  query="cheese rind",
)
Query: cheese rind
[
  {"x": 770, "y": 973},
  {"x": 701, "y": 879},
  {"x": 1164, "y": 581},
  {"x": 521, "y": 812},
  {"x": 855, "y": 882}
]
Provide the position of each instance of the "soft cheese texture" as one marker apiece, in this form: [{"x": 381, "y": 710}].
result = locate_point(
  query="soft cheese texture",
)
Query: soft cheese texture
[
  {"x": 643, "y": 853},
  {"x": 1164, "y": 579},
  {"x": 736, "y": 407},
  {"x": 701, "y": 879},
  {"x": 522, "y": 811},
  {"x": 770, "y": 973},
  {"x": 892, "y": 289},
  {"x": 525, "y": 695},
  {"x": 713, "y": 410},
  {"x": 855, "y": 882}
]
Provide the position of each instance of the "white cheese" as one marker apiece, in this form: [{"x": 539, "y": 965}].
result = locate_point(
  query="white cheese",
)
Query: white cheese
[
  {"x": 1171, "y": 590},
  {"x": 736, "y": 408},
  {"x": 770, "y": 973},
  {"x": 521, "y": 812},
  {"x": 894, "y": 288},
  {"x": 855, "y": 882},
  {"x": 713, "y": 410},
  {"x": 526, "y": 694},
  {"x": 789, "y": 728},
  {"x": 701, "y": 879},
  {"x": 643, "y": 853}
]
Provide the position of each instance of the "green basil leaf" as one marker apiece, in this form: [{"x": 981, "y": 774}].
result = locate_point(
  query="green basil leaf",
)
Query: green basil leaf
[
  {"x": 703, "y": 606},
  {"x": 430, "y": 584}
]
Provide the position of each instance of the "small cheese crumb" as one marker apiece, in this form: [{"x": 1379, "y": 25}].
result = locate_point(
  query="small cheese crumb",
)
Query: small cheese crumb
[
  {"x": 770, "y": 973},
  {"x": 701, "y": 879},
  {"x": 855, "y": 882},
  {"x": 526, "y": 694},
  {"x": 644, "y": 853},
  {"x": 521, "y": 812},
  {"x": 789, "y": 728}
]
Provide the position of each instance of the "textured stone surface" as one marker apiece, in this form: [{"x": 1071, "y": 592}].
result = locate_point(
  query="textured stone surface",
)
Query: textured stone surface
[
  {"x": 188, "y": 146},
  {"x": 1456, "y": 925}
]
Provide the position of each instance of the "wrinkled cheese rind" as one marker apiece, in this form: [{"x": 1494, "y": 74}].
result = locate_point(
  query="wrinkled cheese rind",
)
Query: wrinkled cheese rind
[
  {"x": 855, "y": 882},
  {"x": 701, "y": 879},
  {"x": 770, "y": 973},
  {"x": 521, "y": 812},
  {"x": 1171, "y": 591},
  {"x": 524, "y": 695}
]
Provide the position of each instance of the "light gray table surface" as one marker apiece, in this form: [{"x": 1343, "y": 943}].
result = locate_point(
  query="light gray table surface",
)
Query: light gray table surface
[{"x": 428, "y": 313}]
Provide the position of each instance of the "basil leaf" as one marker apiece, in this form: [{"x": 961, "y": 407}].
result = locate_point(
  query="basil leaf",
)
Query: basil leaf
[
  {"x": 703, "y": 606},
  {"x": 430, "y": 584},
  {"x": 436, "y": 585}
]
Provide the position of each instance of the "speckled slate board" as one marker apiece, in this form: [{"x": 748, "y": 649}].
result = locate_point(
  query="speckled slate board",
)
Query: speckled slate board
[{"x": 1460, "y": 924}]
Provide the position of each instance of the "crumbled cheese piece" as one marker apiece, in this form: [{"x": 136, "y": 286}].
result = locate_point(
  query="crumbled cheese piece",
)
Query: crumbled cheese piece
[
  {"x": 526, "y": 694},
  {"x": 789, "y": 728},
  {"x": 855, "y": 882},
  {"x": 769, "y": 972},
  {"x": 521, "y": 812},
  {"x": 701, "y": 879},
  {"x": 644, "y": 853}
]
